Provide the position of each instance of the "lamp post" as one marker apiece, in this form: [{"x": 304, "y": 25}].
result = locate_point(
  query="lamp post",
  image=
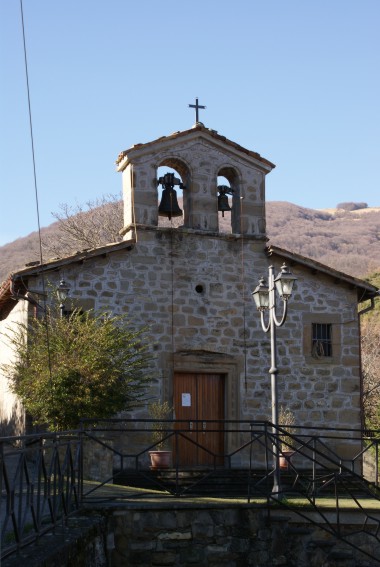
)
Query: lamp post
[
  {"x": 62, "y": 292},
  {"x": 265, "y": 299}
]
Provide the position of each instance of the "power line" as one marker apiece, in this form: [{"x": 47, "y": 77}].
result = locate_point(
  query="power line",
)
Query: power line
[{"x": 37, "y": 203}]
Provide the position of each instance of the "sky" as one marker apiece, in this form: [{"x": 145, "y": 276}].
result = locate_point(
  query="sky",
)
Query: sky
[{"x": 297, "y": 81}]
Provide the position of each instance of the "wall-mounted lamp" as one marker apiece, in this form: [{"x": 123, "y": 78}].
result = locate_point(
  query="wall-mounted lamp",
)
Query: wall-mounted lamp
[{"x": 63, "y": 291}]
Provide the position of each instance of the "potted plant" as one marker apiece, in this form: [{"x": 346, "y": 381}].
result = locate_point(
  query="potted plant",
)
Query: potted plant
[
  {"x": 286, "y": 421},
  {"x": 160, "y": 456}
]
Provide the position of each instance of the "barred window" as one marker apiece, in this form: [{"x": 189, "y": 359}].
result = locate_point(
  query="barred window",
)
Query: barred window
[{"x": 321, "y": 340}]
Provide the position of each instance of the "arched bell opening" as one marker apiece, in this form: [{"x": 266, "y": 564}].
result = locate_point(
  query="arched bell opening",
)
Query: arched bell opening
[
  {"x": 224, "y": 204},
  {"x": 228, "y": 200},
  {"x": 171, "y": 178}
]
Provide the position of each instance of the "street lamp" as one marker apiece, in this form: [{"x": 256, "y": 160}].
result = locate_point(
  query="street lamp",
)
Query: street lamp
[
  {"x": 63, "y": 291},
  {"x": 265, "y": 299}
]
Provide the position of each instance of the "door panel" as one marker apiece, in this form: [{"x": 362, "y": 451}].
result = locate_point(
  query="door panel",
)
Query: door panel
[
  {"x": 211, "y": 406},
  {"x": 185, "y": 407},
  {"x": 198, "y": 397}
]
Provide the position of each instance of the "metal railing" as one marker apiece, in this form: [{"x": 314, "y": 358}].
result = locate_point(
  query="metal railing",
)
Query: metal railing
[
  {"x": 41, "y": 486},
  {"x": 46, "y": 478}
]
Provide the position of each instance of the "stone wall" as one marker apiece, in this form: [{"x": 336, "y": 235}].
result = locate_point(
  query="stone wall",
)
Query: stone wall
[
  {"x": 98, "y": 458},
  {"x": 81, "y": 542},
  {"x": 369, "y": 466},
  {"x": 199, "y": 535},
  {"x": 233, "y": 537}
]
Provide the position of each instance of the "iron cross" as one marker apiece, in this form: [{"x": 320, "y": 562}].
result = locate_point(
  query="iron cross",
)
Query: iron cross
[{"x": 197, "y": 107}]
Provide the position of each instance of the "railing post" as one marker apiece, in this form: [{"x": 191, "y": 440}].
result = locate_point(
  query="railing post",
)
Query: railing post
[
  {"x": 80, "y": 462},
  {"x": 40, "y": 470},
  {"x": 1, "y": 476},
  {"x": 176, "y": 462},
  {"x": 314, "y": 468},
  {"x": 337, "y": 507},
  {"x": 250, "y": 465},
  {"x": 267, "y": 440}
]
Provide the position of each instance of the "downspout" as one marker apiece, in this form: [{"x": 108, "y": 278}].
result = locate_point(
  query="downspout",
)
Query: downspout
[{"x": 370, "y": 307}]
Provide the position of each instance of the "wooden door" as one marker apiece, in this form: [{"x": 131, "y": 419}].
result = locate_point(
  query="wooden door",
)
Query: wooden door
[{"x": 197, "y": 398}]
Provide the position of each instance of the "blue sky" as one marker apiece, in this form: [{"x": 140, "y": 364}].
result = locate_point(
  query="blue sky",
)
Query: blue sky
[{"x": 297, "y": 81}]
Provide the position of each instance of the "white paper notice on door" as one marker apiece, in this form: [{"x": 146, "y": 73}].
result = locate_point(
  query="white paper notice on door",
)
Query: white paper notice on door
[{"x": 186, "y": 400}]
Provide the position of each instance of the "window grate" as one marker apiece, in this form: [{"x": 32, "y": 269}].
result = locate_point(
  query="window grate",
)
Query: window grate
[{"x": 321, "y": 340}]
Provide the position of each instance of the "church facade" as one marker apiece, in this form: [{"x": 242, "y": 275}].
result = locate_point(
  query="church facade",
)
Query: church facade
[{"x": 190, "y": 283}]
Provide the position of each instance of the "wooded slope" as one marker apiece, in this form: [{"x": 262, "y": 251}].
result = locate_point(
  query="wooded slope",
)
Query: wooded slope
[{"x": 348, "y": 241}]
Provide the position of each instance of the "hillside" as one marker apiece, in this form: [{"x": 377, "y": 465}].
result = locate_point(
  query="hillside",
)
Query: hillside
[
  {"x": 348, "y": 241},
  {"x": 16, "y": 254}
]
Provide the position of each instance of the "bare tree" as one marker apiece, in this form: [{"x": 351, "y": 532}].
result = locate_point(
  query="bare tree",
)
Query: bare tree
[
  {"x": 86, "y": 226},
  {"x": 370, "y": 345}
]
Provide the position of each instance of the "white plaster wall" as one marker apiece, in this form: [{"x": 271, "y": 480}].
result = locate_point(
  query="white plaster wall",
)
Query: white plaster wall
[{"x": 11, "y": 411}]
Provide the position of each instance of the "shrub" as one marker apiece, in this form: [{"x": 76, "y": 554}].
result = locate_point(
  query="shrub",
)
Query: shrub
[{"x": 84, "y": 366}]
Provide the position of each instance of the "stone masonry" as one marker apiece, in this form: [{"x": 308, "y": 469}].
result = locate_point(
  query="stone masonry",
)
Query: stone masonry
[
  {"x": 186, "y": 535},
  {"x": 155, "y": 283}
]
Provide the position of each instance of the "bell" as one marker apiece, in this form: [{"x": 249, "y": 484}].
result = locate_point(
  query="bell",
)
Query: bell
[
  {"x": 223, "y": 204},
  {"x": 169, "y": 205}
]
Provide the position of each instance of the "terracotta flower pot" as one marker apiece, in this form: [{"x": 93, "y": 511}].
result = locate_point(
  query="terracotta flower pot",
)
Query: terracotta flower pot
[
  {"x": 284, "y": 459},
  {"x": 160, "y": 459}
]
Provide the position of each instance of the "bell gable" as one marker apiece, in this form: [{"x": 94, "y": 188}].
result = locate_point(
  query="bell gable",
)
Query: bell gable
[{"x": 199, "y": 156}]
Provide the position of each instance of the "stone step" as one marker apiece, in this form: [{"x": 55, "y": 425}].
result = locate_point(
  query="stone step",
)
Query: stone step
[{"x": 223, "y": 482}]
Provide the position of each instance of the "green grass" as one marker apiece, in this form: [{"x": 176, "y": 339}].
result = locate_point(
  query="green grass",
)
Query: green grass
[{"x": 127, "y": 493}]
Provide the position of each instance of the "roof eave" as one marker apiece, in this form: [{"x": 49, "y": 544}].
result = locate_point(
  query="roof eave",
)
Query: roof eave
[
  {"x": 365, "y": 290},
  {"x": 78, "y": 257},
  {"x": 138, "y": 150},
  {"x": 10, "y": 293}
]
